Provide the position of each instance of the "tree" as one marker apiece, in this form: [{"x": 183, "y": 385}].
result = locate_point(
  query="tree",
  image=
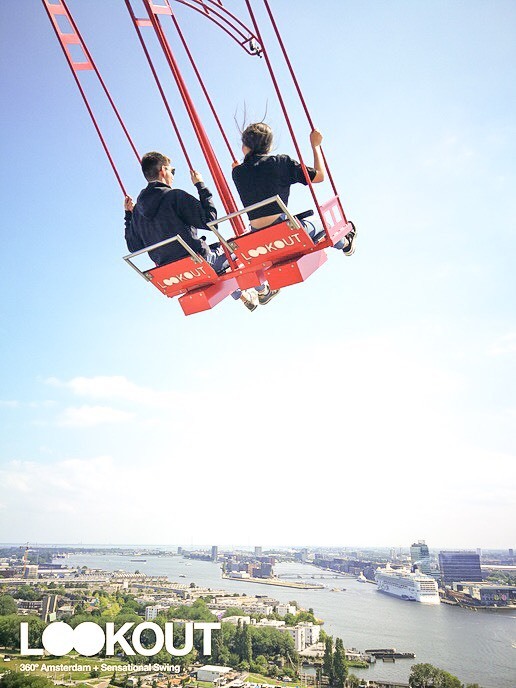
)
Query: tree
[
  {"x": 218, "y": 647},
  {"x": 428, "y": 676},
  {"x": 353, "y": 681},
  {"x": 14, "y": 679},
  {"x": 422, "y": 676},
  {"x": 7, "y": 605},
  {"x": 447, "y": 680},
  {"x": 328, "y": 658},
  {"x": 247, "y": 645},
  {"x": 340, "y": 669},
  {"x": 26, "y": 592}
]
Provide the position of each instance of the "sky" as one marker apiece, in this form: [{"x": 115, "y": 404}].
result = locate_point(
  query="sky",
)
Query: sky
[{"x": 374, "y": 404}]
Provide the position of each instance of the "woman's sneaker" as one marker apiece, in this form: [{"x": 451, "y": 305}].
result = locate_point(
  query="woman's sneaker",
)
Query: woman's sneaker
[
  {"x": 250, "y": 299},
  {"x": 349, "y": 250},
  {"x": 265, "y": 296}
]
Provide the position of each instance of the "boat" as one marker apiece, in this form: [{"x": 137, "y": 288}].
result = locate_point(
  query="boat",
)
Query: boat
[
  {"x": 361, "y": 578},
  {"x": 141, "y": 561},
  {"x": 407, "y": 584}
]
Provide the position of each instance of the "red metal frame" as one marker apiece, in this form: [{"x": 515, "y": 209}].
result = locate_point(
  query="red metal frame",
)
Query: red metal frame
[
  {"x": 281, "y": 254},
  {"x": 57, "y": 8},
  {"x": 154, "y": 11}
]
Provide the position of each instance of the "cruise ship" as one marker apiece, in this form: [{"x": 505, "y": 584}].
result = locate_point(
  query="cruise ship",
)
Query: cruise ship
[{"x": 407, "y": 584}]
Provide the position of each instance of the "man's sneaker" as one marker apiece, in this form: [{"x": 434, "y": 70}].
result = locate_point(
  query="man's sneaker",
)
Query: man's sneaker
[
  {"x": 250, "y": 299},
  {"x": 349, "y": 250},
  {"x": 265, "y": 296}
]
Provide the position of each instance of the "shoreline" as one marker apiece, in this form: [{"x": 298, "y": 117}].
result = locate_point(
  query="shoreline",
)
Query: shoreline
[{"x": 277, "y": 582}]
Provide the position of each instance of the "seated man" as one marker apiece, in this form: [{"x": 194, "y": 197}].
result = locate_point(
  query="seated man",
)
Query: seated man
[{"x": 161, "y": 212}]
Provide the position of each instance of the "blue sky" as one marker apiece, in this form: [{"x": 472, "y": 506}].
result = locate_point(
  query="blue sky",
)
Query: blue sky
[{"x": 373, "y": 404}]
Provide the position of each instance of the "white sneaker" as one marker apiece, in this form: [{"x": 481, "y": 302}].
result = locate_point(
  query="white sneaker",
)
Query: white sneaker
[{"x": 251, "y": 299}]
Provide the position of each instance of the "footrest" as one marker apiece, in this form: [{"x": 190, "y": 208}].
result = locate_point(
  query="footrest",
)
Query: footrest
[
  {"x": 203, "y": 299},
  {"x": 294, "y": 271}
]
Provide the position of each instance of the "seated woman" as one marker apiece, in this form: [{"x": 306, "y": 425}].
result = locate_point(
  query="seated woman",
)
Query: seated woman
[{"x": 262, "y": 175}]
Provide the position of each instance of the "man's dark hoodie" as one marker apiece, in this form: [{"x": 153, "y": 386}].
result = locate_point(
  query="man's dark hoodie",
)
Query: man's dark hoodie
[{"x": 160, "y": 213}]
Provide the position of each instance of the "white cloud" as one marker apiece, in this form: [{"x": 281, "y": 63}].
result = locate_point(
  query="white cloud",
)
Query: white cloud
[
  {"x": 116, "y": 387},
  {"x": 8, "y": 403},
  {"x": 90, "y": 416},
  {"x": 351, "y": 430}
]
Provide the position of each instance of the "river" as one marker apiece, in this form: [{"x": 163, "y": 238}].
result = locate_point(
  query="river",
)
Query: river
[{"x": 478, "y": 647}]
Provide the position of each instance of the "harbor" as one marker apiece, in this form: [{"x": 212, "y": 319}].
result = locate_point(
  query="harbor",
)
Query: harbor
[{"x": 463, "y": 642}]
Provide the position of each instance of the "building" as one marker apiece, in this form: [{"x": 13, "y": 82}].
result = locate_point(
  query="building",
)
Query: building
[
  {"x": 214, "y": 553},
  {"x": 31, "y": 571},
  {"x": 212, "y": 673},
  {"x": 152, "y": 611},
  {"x": 29, "y": 606},
  {"x": 459, "y": 565},
  {"x": 488, "y": 595},
  {"x": 420, "y": 555},
  {"x": 272, "y": 623},
  {"x": 236, "y": 620},
  {"x": 283, "y": 609},
  {"x": 303, "y": 634},
  {"x": 258, "y": 551},
  {"x": 49, "y": 608}
]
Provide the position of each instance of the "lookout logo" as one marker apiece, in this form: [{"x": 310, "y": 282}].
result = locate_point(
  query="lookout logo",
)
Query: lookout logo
[
  {"x": 184, "y": 276},
  {"x": 272, "y": 246},
  {"x": 88, "y": 638}
]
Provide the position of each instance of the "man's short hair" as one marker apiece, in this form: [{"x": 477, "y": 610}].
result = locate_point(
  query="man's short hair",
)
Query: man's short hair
[{"x": 152, "y": 163}]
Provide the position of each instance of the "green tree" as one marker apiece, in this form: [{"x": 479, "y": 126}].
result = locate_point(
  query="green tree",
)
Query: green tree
[
  {"x": 428, "y": 676},
  {"x": 247, "y": 644},
  {"x": 328, "y": 658},
  {"x": 447, "y": 680},
  {"x": 353, "y": 681},
  {"x": 7, "y": 605},
  {"x": 234, "y": 611},
  {"x": 26, "y": 592},
  {"x": 340, "y": 669},
  {"x": 422, "y": 676},
  {"x": 14, "y": 679},
  {"x": 217, "y": 647},
  {"x": 10, "y": 631}
]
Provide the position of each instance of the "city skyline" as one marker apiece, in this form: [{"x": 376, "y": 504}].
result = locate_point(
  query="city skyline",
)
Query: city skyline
[{"x": 374, "y": 402}]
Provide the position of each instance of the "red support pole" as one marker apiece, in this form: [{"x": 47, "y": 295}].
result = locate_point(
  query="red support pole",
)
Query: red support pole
[
  {"x": 204, "y": 89},
  {"x": 298, "y": 89},
  {"x": 211, "y": 159},
  {"x": 59, "y": 8},
  {"x": 137, "y": 23},
  {"x": 285, "y": 113}
]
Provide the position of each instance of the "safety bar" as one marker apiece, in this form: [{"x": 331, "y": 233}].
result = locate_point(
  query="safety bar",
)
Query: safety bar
[
  {"x": 292, "y": 219},
  {"x": 128, "y": 259}
]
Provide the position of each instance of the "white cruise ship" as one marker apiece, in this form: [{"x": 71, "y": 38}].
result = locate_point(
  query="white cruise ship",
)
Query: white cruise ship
[{"x": 407, "y": 584}]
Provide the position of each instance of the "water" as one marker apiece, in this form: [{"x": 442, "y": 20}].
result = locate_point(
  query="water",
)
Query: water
[{"x": 478, "y": 647}]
